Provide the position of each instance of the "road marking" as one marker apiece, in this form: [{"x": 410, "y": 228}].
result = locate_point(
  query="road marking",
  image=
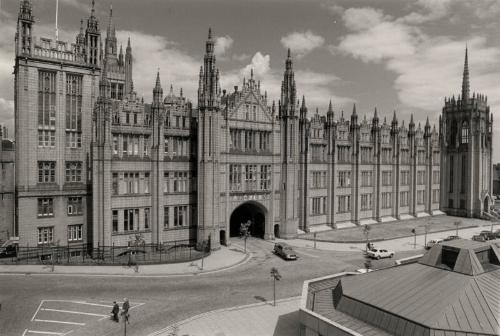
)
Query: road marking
[
  {"x": 72, "y": 312},
  {"x": 308, "y": 254},
  {"x": 81, "y": 302},
  {"x": 44, "y": 332},
  {"x": 40, "y": 305},
  {"x": 63, "y": 322}
]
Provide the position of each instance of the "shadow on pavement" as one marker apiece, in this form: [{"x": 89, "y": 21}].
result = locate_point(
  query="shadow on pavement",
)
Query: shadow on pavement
[
  {"x": 287, "y": 325},
  {"x": 260, "y": 298}
]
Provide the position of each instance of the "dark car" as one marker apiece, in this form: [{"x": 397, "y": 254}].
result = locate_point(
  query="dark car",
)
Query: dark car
[
  {"x": 451, "y": 238},
  {"x": 284, "y": 251},
  {"x": 484, "y": 236},
  {"x": 8, "y": 251}
]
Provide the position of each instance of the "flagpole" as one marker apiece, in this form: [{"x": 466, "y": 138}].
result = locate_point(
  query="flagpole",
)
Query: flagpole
[{"x": 57, "y": 15}]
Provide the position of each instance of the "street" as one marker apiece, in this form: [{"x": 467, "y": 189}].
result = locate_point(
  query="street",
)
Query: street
[{"x": 29, "y": 301}]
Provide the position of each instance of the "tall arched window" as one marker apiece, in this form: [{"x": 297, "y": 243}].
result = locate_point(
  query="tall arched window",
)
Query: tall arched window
[{"x": 465, "y": 132}]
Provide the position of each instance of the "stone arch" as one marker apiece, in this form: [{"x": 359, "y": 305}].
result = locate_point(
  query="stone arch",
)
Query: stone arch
[{"x": 251, "y": 211}]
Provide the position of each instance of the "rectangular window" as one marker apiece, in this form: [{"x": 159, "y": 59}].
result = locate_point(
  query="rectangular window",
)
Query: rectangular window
[
  {"x": 366, "y": 201},
  {"x": 386, "y": 155},
  {"x": 114, "y": 219},
  {"x": 45, "y": 235},
  {"x": 46, "y": 138},
  {"x": 420, "y": 197},
  {"x": 387, "y": 178},
  {"x": 146, "y": 183},
  {"x": 74, "y": 110},
  {"x": 366, "y": 154},
  {"x": 46, "y": 171},
  {"x": 344, "y": 203},
  {"x": 75, "y": 232},
  {"x": 145, "y": 151},
  {"x": 386, "y": 200},
  {"x": 344, "y": 179},
  {"x": 114, "y": 184},
  {"x": 166, "y": 219},
  {"x": 405, "y": 177},
  {"x": 180, "y": 215},
  {"x": 343, "y": 154},
  {"x": 234, "y": 177},
  {"x": 251, "y": 177},
  {"x": 75, "y": 206},
  {"x": 265, "y": 177},
  {"x": 318, "y": 205},
  {"x": 421, "y": 177},
  {"x": 146, "y": 218},
  {"x": 45, "y": 207},
  {"x": 115, "y": 145},
  {"x": 435, "y": 196},
  {"x": 46, "y": 100},
  {"x": 403, "y": 198},
  {"x": 74, "y": 171},
  {"x": 166, "y": 182},
  {"x": 435, "y": 177},
  {"x": 366, "y": 178},
  {"x": 130, "y": 219}
]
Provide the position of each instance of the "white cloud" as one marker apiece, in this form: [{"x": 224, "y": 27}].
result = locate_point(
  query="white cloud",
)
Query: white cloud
[
  {"x": 222, "y": 45},
  {"x": 151, "y": 52},
  {"x": 302, "y": 43},
  {"x": 79, "y": 4},
  {"x": 357, "y": 19}
]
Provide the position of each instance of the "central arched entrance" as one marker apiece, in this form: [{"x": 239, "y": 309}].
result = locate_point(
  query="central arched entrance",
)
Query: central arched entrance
[{"x": 252, "y": 212}]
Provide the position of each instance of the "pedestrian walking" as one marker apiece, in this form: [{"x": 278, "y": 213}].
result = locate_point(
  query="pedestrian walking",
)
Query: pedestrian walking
[
  {"x": 115, "y": 311},
  {"x": 125, "y": 308}
]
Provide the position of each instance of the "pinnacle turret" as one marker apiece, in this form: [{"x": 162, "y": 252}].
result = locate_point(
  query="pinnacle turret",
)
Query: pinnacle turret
[
  {"x": 465, "y": 79},
  {"x": 157, "y": 91}
]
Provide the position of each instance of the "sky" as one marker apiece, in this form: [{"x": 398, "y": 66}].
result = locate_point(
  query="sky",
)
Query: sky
[{"x": 393, "y": 55}]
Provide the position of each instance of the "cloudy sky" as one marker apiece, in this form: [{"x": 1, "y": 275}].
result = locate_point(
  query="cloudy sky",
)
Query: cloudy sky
[{"x": 391, "y": 54}]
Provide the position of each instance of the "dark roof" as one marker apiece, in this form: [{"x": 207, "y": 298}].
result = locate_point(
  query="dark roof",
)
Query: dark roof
[
  {"x": 429, "y": 296},
  {"x": 7, "y": 145}
]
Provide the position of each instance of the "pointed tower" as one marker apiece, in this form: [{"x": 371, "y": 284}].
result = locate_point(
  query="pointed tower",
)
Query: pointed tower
[
  {"x": 466, "y": 153},
  {"x": 101, "y": 163},
  {"x": 128, "y": 69},
  {"x": 157, "y": 159},
  {"x": 24, "y": 33},
  {"x": 289, "y": 154},
  {"x": 304, "y": 134},
  {"x": 93, "y": 39},
  {"x": 209, "y": 119},
  {"x": 110, "y": 42}
]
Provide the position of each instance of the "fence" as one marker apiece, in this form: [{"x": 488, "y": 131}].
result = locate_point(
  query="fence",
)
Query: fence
[{"x": 84, "y": 254}]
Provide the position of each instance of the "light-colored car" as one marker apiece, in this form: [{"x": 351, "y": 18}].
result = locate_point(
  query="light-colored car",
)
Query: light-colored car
[
  {"x": 380, "y": 253},
  {"x": 433, "y": 242}
]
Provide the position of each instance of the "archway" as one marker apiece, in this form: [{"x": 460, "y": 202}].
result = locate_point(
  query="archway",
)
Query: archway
[{"x": 252, "y": 212}]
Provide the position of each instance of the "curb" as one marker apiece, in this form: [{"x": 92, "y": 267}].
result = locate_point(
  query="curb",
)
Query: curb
[
  {"x": 222, "y": 310},
  {"x": 247, "y": 258},
  {"x": 381, "y": 239}
]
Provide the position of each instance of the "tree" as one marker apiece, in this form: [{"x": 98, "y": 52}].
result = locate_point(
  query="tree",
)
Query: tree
[
  {"x": 366, "y": 232},
  {"x": 276, "y": 277},
  {"x": 245, "y": 232}
]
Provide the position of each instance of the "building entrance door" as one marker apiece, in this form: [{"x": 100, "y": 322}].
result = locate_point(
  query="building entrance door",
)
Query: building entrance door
[{"x": 248, "y": 212}]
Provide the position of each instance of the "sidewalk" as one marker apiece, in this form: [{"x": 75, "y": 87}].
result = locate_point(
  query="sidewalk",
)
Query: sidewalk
[
  {"x": 395, "y": 229},
  {"x": 223, "y": 259},
  {"x": 397, "y": 245},
  {"x": 260, "y": 319}
]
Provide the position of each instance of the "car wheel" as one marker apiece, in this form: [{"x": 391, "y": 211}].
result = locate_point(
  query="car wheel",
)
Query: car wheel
[
  {"x": 378, "y": 257},
  {"x": 392, "y": 255}
]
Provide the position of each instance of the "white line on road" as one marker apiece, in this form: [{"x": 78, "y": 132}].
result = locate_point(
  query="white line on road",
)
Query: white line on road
[
  {"x": 72, "y": 312},
  {"x": 40, "y": 305},
  {"x": 63, "y": 322},
  {"x": 307, "y": 254},
  {"x": 44, "y": 332},
  {"x": 81, "y": 302}
]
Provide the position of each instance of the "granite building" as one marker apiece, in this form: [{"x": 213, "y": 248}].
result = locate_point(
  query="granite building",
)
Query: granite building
[{"x": 96, "y": 164}]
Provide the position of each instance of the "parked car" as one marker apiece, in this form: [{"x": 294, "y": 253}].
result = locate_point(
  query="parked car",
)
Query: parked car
[
  {"x": 380, "y": 253},
  {"x": 432, "y": 242},
  {"x": 284, "y": 251},
  {"x": 451, "y": 238},
  {"x": 479, "y": 237},
  {"x": 8, "y": 251},
  {"x": 488, "y": 235}
]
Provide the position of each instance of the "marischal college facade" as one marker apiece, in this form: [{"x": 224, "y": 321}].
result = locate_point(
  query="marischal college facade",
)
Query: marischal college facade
[{"x": 97, "y": 165}]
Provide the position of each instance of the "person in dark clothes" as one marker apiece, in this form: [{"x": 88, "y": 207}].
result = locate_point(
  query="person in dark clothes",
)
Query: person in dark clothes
[{"x": 115, "y": 311}]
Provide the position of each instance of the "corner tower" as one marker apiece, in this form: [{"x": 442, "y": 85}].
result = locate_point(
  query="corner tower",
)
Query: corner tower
[
  {"x": 466, "y": 147},
  {"x": 289, "y": 123},
  {"x": 209, "y": 148}
]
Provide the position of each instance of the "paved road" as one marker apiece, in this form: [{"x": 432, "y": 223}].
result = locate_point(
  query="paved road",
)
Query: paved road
[{"x": 28, "y": 304}]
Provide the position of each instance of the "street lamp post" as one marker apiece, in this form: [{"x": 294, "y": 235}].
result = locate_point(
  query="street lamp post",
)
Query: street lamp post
[
  {"x": 276, "y": 276},
  {"x": 245, "y": 232}
]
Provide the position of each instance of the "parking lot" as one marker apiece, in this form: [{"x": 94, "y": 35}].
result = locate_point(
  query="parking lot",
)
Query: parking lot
[{"x": 62, "y": 317}]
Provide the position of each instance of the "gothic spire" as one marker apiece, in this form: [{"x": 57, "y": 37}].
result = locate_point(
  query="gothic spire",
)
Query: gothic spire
[
  {"x": 465, "y": 79},
  {"x": 288, "y": 92},
  {"x": 157, "y": 91},
  {"x": 330, "y": 108}
]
